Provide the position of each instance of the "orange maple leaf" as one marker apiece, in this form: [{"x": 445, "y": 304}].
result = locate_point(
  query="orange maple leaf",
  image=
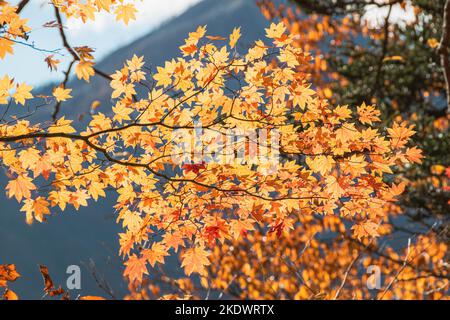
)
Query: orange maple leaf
[
  {"x": 135, "y": 268},
  {"x": 194, "y": 260}
]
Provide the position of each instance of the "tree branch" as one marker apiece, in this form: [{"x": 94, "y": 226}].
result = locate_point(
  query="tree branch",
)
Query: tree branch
[
  {"x": 22, "y": 5},
  {"x": 69, "y": 47},
  {"x": 443, "y": 50}
]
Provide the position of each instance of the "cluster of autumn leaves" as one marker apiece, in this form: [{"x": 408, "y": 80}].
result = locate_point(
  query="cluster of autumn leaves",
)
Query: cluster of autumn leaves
[{"x": 244, "y": 231}]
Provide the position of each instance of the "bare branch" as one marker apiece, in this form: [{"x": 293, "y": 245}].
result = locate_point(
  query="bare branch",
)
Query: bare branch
[
  {"x": 22, "y": 5},
  {"x": 443, "y": 50}
]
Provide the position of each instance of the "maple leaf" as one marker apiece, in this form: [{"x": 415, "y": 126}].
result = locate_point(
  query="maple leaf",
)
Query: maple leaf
[
  {"x": 368, "y": 114},
  {"x": 135, "y": 268},
  {"x": 96, "y": 189},
  {"x": 48, "y": 283},
  {"x": 414, "y": 154},
  {"x": 126, "y": 243},
  {"x": 20, "y": 187},
  {"x": 52, "y": 63},
  {"x": 6, "y": 84},
  {"x": 275, "y": 31},
  {"x": 239, "y": 228},
  {"x": 135, "y": 63},
  {"x": 62, "y": 126},
  {"x": 195, "y": 36},
  {"x": 321, "y": 164},
  {"x": 333, "y": 187},
  {"x": 49, "y": 288},
  {"x": 103, "y": 4},
  {"x": 131, "y": 220},
  {"x": 365, "y": 229},
  {"x": 400, "y": 133},
  {"x": 84, "y": 70},
  {"x": 342, "y": 112},
  {"x": 29, "y": 158},
  {"x": 42, "y": 166},
  {"x": 79, "y": 198},
  {"x": 125, "y": 12},
  {"x": 194, "y": 167},
  {"x": 85, "y": 52},
  {"x": 173, "y": 240},
  {"x": 394, "y": 191},
  {"x": 61, "y": 94},
  {"x": 59, "y": 198},
  {"x": 189, "y": 50},
  {"x": 36, "y": 208},
  {"x": 156, "y": 254},
  {"x": 234, "y": 37},
  {"x": 5, "y": 47},
  {"x": 8, "y": 273},
  {"x": 277, "y": 228},
  {"x": 163, "y": 77},
  {"x": 22, "y": 93},
  {"x": 194, "y": 260}
]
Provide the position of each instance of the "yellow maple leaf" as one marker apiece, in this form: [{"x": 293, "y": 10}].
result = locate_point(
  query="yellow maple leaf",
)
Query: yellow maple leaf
[
  {"x": 96, "y": 189},
  {"x": 135, "y": 63},
  {"x": 29, "y": 157},
  {"x": 234, "y": 37},
  {"x": 20, "y": 187},
  {"x": 22, "y": 93},
  {"x": 125, "y": 12},
  {"x": 321, "y": 164},
  {"x": 103, "y": 4},
  {"x": 163, "y": 77},
  {"x": 37, "y": 208},
  {"x": 84, "y": 70},
  {"x": 5, "y": 47},
  {"x": 62, "y": 126},
  {"x": 275, "y": 30},
  {"x": 6, "y": 84},
  {"x": 342, "y": 112},
  {"x": 61, "y": 94}
]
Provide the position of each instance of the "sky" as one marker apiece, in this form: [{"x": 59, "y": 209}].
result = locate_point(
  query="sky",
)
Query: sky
[{"x": 104, "y": 35}]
